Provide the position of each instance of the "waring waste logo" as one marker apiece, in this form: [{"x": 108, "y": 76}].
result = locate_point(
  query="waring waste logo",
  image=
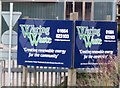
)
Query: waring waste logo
[
  {"x": 90, "y": 36},
  {"x": 36, "y": 34}
]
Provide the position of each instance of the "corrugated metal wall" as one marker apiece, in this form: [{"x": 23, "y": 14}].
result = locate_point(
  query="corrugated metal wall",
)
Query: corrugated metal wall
[
  {"x": 102, "y": 10},
  {"x": 53, "y": 10},
  {"x": 38, "y": 10}
]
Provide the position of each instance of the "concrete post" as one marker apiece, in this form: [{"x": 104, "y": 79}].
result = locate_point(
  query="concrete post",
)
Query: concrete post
[
  {"x": 25, "y": 71},
  {"x": 92, "y": 11},
  {"x": 83, "y": 10},
  {"x": 71, "y": 77},
  {"x": 72, "y": 70},
  {"x": 64, "y": 9}
]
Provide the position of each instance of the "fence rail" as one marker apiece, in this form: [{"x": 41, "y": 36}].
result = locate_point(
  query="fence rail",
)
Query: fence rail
[{"x": 39, "y": 76}]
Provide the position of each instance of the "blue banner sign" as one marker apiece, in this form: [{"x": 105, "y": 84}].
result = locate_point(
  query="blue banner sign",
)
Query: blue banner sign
[
  {"x": 45, "y": 43},
  {"x": 94, "y": 40}
]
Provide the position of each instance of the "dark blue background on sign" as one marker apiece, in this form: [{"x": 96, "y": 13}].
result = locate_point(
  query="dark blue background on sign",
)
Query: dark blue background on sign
[
  {"x": 22, "y": 56},
  {"x": 105, "y": 46}
]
